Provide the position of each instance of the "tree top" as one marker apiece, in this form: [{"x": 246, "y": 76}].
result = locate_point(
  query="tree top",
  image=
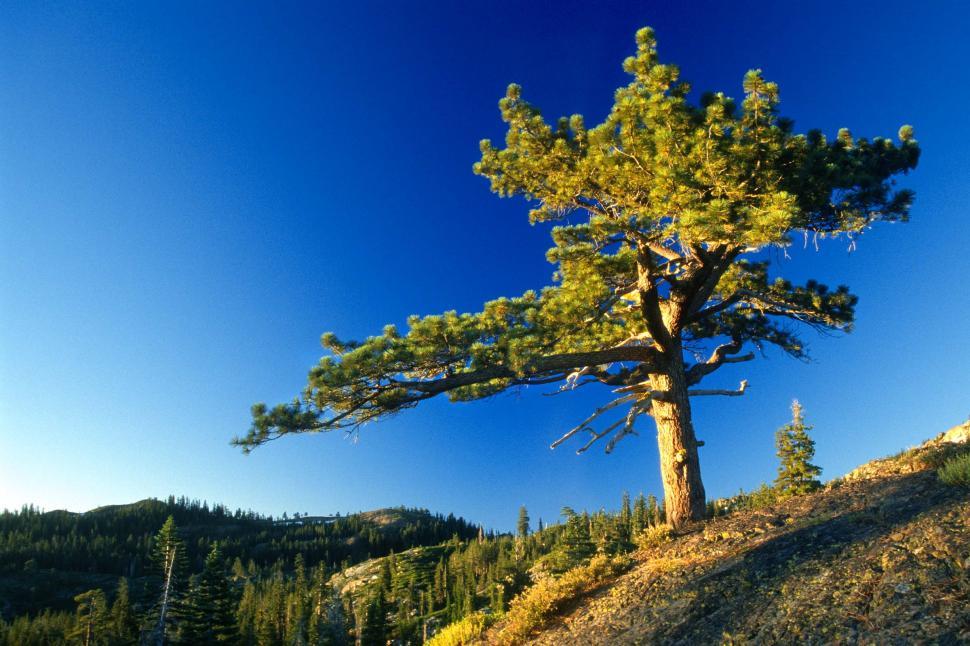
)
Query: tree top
[{"x": 660, "y": 212}]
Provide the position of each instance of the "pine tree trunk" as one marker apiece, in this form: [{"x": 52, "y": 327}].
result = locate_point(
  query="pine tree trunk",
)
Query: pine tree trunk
[{"x": 684, "y": 498}]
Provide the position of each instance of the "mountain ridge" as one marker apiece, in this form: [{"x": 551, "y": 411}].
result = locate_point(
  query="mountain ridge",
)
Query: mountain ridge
[{"x": 46, "y": 558}]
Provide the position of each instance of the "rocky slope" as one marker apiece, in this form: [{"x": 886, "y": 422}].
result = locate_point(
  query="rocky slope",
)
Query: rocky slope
[{"x": 881, "y": 556}]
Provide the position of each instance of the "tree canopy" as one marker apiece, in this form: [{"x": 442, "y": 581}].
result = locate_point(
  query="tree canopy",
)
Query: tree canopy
[{"x": 660, "y": 213}]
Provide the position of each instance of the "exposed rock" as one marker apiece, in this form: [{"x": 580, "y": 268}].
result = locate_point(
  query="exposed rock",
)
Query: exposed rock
[{"x": 959, "y": 434}]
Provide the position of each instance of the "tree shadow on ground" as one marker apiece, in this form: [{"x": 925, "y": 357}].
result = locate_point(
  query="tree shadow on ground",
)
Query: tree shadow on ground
[{"x": 728, "y": 598}]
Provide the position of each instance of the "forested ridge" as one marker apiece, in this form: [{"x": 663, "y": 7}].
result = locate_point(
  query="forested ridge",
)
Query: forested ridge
[
  {"x": 238, "y": 577},
  {"x": 117, "y": 539},
  {"x": 181, "y": 572},
  {"x": 46, "y": 558}
]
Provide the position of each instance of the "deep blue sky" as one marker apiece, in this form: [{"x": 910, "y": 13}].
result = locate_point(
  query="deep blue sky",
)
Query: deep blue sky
[{"x": 190, "y": 195}]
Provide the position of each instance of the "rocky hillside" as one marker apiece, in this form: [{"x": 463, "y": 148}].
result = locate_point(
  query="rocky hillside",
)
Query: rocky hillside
[
  {"x": 881, "y": 556},
  {"x": 417, "y": 564}
]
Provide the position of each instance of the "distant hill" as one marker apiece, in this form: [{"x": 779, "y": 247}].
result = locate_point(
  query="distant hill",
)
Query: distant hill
[
  {"x": 880, "y": 556},
  {"x": 48, "y": 557}
]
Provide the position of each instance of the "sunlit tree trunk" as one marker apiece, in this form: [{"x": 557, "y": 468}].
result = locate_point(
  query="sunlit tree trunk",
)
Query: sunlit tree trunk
[{"x": 680, "y": 470}]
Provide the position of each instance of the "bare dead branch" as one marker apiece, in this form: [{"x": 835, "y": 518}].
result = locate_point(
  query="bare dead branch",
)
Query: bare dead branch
[
  {"x": 726, "y": 393},
  {"x": 585, "y": 423},
  {"x": 597, "y": 436},
  {"x": 628, "y": 429}
]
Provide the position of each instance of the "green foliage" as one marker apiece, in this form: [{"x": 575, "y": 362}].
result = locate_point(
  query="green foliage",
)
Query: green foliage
[
  {"x": 170, "y": 562},
  {"x": 374, "y": 623},
  {"x": 71, "y": 553},
  {"x": 956, "y": 470},
  {"x": 764, "y": 496},
  {"x": 449, "y": 582},
  {"x": 92, "y": 622},
  {"x": 44, "y": 629},
  {"x": 522, "y": 526},
  {"x": 640, "y": 517},
  {"x": 626, "y": 512},
  {"x": 796, "y": 474},
  {"x": 667, "y": 203},
  {"x": 208, "y": 615},
  {"x": 124, "y": 622},
  {"x": 574, "y": 546},
  {"x": 169, "y": 556},
  {"x": 402, "y": 597}
]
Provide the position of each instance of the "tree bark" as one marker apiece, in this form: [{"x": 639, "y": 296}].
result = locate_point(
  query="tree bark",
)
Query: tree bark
[{"x": 684, "y": 497}]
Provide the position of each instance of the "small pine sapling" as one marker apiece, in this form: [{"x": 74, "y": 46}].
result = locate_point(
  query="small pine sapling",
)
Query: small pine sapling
[{"x": 796, "y": 473}]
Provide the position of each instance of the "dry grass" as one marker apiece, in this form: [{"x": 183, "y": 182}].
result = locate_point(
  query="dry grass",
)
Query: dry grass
[
  {"x": 466, "y": 631},
  {"x": 653, "y": 536},
  {"x": 533, "y": 608}
]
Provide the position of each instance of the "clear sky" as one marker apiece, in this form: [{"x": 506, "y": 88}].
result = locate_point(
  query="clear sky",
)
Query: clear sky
[{"x": 191, "y": 193}]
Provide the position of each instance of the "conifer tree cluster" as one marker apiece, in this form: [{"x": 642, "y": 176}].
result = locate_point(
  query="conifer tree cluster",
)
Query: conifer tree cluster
[
  {"x": 209, "y": 615},
  {"x": 281, "y": 607},
  {"x": 404, "y": 597},
  {"x": 581, "y": 535},
  {"x": 122, "y": 541}
]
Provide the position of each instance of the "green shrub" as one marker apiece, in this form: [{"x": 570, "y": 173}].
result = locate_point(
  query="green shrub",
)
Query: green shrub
[
  {"x": 956, "y": 470},
  {"x": 763, "y": 496}
]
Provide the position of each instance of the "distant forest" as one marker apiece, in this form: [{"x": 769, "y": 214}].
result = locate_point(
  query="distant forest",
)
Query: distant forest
[
  {"x": 180, "y": 571},
  {"x": 118, "y": 539}
]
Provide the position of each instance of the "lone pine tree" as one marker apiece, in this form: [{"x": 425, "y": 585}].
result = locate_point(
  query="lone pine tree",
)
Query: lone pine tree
[
  {"x": 796, "y": 448},
  {"x": 663, "y": 210}
]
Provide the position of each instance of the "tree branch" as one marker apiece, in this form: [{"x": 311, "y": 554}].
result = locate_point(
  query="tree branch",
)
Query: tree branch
[
  {"x": 628, "y": 427},
  {"x": 536, "y": 368},
  {"x": 718, "y": 358},
  {"x": 703, "y": 286},
  {"x": 665, "y": 252},
  {"x": 584, "y": 425},
  {"x": 649, "y": 298},
  {"x": 714, "y": 309},
  {"x": 726, "y": 393},
  {"x": 597, "y": 436}
]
